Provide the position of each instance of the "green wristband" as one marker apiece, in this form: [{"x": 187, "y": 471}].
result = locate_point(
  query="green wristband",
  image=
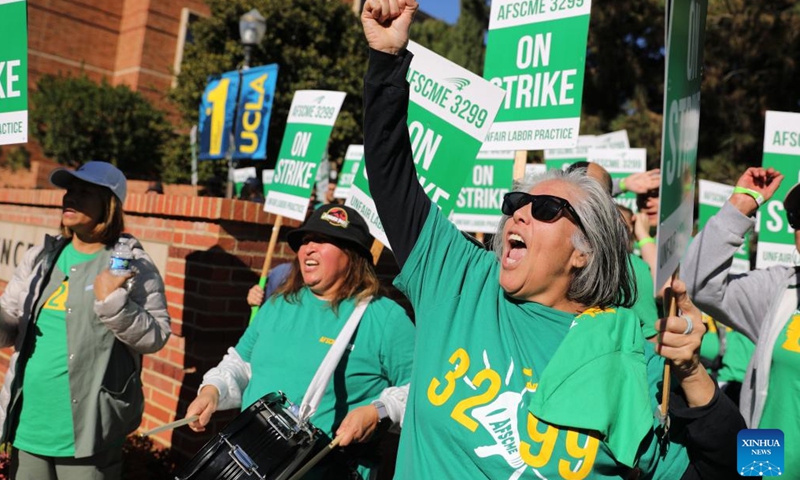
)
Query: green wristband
[
  {"x": 756, "y": 196},
  {"x": 645, "y": 241},
  {"x": 622, "y": 185}
]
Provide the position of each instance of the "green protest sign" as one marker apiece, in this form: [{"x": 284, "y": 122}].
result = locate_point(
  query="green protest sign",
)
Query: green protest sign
[
  {"x": 711, "y": 197},
  {"x": 308, "y": 128},
  {"x": 352, "y": 160},
  {"x": 450, "y": 112},
  {"x": 535, "y": 170},
  {"x": 561, "y": 158},
  {"x": 617, "y": 139},
  {"x": 13, "y": 72},
  {"x": 620, "y": 163},
  {"x": 781, "y": 152},
  {"x": 536, "y": 52},
  {"x": 686, "y": 37},
  {"x": 478, "y": 206}
]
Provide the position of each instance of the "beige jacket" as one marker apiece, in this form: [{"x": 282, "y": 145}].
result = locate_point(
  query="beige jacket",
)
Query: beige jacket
[{"x": 105, "y": 340}]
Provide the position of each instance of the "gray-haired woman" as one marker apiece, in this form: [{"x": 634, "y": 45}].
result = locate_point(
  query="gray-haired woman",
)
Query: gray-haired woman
[{"x": 525, "y": 367}]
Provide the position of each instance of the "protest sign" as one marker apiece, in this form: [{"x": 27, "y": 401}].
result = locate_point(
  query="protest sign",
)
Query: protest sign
[
  {"x": 352, "y": 160},
  {"x": 450, "y": 112},
  {"x": 535, "y": 170},
  {"x": 308, "y": 128},
  {"x": 686, "y": 37},
  {"x": 561, "y": 158},
  {"x": 480, "y": 199},
  {"x": 782, "y": 152},
  {"x": 620, "y": 163},
  {"x": 266, "y": 179},
  {"x": 13, "y": 72},
  {"x": 240, "y": 175},
  {"x": 536, "y": 52}
]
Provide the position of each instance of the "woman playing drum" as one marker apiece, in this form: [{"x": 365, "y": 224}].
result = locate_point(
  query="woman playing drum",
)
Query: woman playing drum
[{"x": 289, "y": 337}]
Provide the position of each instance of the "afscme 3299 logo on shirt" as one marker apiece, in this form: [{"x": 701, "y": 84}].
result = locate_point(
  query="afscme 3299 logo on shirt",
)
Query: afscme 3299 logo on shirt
[
  {"x": 337, "y": 217},
  {"x": 759, "y": 453}
]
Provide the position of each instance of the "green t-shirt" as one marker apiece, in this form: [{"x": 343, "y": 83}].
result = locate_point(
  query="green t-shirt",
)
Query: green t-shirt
[
  {"x": 479, "y": 361},
  {"x": 709, "y": 348},
  {"x": 782, "y": 407},
  {"x": 286, "y": 343},
  {"x": 45, "y": 419},
  {"x": 738, "y": 351},
  {"x": 645, "y": 306}
]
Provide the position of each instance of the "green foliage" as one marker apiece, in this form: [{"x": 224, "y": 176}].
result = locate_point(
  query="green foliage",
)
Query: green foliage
[
  {"x": 317, "y": 45},
  {"x": 77, "y": 120},
  {"x": 18, "y": 158},
  {"x": 751, "y": 55},
  {"x": 751, "y": 59}
]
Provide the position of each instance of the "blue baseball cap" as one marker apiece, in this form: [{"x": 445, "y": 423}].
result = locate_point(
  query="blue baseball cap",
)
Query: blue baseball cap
[{"x": 98, "y": 173}]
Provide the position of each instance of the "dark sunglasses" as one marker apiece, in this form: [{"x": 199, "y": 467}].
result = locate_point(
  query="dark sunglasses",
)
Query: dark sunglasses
[
  {"x": 545, "y": 208},
  {"x": 794, "y": 218}
]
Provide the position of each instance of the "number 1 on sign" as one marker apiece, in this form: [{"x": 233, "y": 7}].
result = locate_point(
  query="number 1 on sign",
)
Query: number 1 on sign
[{"x": 218, "y": 97}]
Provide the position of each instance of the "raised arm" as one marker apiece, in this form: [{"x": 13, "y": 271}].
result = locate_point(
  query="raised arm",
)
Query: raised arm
[
  {"x": 741, "y": 301},
  {"x": 402, "y": 204}
]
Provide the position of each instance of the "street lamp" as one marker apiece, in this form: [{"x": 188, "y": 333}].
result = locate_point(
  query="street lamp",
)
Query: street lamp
[{"x": 252, "y": 27}]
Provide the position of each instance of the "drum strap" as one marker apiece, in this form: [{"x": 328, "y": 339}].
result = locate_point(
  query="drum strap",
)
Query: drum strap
[{"x": 324, "y": 373}]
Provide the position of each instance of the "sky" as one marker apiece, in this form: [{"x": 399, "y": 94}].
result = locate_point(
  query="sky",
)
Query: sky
[{"x": 446, "y": 10}]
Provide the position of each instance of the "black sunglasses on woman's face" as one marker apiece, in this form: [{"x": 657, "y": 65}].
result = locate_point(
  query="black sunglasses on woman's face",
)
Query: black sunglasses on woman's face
[{"x": 545, "y": 208}]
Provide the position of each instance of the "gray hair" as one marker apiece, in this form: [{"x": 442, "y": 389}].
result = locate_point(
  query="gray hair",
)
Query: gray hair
[{"x": 606, "y": 279}]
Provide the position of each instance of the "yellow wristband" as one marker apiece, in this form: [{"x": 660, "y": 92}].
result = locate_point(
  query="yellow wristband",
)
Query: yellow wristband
[
  {"x": 645, "y": 241},
  {"x": 756, "y": 196}
]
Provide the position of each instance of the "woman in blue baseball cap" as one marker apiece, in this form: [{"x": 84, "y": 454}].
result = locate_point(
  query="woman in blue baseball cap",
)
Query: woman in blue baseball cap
[{"x": 72, "y": 392}]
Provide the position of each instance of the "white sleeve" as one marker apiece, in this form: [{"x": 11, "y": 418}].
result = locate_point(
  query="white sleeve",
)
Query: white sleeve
[
  {"x": 230, "y": 377},
  {"x": 395, "y": 399}
]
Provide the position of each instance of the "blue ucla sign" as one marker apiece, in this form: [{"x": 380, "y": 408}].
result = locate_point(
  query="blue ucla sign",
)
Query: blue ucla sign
[{"x": 240, "y": 100}]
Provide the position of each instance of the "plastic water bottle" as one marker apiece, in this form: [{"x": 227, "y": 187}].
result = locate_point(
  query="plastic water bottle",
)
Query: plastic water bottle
[{"x": 120, "y": 263}]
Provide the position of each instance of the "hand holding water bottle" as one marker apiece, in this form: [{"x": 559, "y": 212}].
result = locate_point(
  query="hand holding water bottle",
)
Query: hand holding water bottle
[{"x": 118, "y": 272}]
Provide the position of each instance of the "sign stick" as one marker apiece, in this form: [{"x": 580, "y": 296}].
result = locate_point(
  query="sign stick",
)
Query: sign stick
[
  {"x": 479, "y": 236},
  {"x": 673, "y": 310},
  {"x": 273, "y": 240},
  {"x": 520, "y": 159}
]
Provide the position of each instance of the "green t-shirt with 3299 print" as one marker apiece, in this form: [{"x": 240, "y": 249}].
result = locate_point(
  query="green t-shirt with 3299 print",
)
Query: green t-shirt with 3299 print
[
  {"x": 479, "y": 362},
  {"x": 45, "y": 419}
]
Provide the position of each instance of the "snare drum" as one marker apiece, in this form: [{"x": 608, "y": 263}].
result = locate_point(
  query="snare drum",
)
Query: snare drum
[{"x": 267, "y": 442}]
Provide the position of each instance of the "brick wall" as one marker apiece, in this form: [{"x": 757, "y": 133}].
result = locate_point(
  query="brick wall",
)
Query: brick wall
[{"x": 214, "y": 252}]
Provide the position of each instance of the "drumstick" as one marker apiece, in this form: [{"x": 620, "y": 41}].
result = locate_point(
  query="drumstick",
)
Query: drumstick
[
  {"x": 273, "y": 240},
  {"x": 169, "y": 426},
  {"x": 319, "y": 456}
]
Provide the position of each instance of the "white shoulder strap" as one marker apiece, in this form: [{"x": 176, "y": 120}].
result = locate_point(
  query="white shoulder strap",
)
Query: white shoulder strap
[{"x": 320, "y": 381}]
